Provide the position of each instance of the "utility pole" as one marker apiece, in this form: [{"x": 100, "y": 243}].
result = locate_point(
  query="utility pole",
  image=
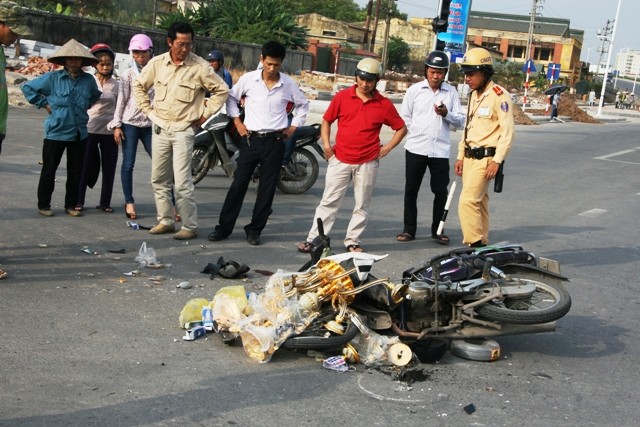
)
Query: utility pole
[
  {"x": 527, "y": 57},
  {"x": 606, "y": 70},
  {"x": 386, "y": 36},
  {"x": 603, "y": 34},
  {"x": 375, "y": 27},
  {"x": 366, "y": 25}
]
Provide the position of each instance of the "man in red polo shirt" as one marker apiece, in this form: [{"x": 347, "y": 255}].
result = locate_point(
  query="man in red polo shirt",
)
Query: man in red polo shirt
[{"x": 361, "y": 112}]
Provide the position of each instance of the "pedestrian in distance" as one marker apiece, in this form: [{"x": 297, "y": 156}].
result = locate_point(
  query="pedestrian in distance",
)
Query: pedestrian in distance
[
  {"x": 67, "y": 95},
  {"x": 130, "y": 125},
  {"x": 216, "y": 60},
  {"x": 429, "y": 109},
  {"x": 592, "y": 98},
  {"x": 266, "y": 93},
  {"x": 485, "y": 143},
  {"x": 101, "y": 152},
  {"x": 12, "y": 27},
  {"x": 555, "y": 101},
  {"x": 181, "y": 80},
  {"x": 360, "y": 112}
]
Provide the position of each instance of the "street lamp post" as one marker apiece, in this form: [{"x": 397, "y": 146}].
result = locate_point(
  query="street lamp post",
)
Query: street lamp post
[{"x": 606, "y": 70}]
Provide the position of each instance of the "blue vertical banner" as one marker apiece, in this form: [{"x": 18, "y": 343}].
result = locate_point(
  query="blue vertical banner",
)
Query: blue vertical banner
[{"x": 457, "y": 29}]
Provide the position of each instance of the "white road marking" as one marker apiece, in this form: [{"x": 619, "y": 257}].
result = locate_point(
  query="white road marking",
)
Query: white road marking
[
  {"x": 607, "y": 157},
  {"x": 592, "y": 213}
]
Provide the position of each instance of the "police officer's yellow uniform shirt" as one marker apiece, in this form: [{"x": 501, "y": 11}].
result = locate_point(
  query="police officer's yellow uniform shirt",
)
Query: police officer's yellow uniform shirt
[{"x": 490, "y": 122}]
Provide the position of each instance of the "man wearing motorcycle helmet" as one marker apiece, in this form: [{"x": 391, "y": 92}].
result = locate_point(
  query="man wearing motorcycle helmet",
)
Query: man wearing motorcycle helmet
[
  {"x": 101, "y": 151},
  {"x": 486, "y": 142},
  {"x": 216, "y": 60},
  {"x": 429, "y": 108},
  {"x": 129, "y": 123},
  {"x": 361, "y": 111}
]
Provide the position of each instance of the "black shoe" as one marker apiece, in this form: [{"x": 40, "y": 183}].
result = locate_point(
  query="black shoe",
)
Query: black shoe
[
  {"x": 217, "y": 235},
  {"x": 253, "y": 239},
  {"x": 477, "y": 244}
]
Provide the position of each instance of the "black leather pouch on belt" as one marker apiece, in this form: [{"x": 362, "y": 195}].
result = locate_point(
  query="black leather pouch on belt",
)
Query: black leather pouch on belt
[{"x": 499, "y": 179}]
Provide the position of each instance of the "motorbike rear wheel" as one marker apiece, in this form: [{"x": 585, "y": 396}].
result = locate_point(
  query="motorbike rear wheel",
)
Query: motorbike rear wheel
[
  {"x": 200, "y": 163},
  {"x": 549, "y": 302},
  {"x": 306, "y": 168}
]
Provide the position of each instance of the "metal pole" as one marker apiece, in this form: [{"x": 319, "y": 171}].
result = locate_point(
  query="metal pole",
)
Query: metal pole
[
  {"x": 606, "y": 71},
  {"x": 528, "y": 55},
  {"x": 633, "y": 91}
]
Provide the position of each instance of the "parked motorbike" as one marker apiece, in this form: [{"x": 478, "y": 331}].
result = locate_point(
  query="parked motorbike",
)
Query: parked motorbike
[
  {"x": 462, "y": 294},
  {"x": 217, "y": 144}
]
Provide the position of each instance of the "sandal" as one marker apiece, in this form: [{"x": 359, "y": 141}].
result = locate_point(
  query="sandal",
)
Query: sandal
[
  {"x": 304, "y": 247},
  {"x": 130, "y": 215},
  {"x": 354, "y": 248},
  {"x": 441, "y": 238},
  {"x": 404, "y": 237},
  {"x": 3, "y": 274},
  {"x": 107, "y": 209}
]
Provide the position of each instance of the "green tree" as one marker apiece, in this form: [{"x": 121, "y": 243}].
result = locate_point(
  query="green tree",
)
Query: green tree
[
  {"x": 509, "y": 75},
  {"x": 254, "y": 21},
  {"x": 398, "y": 51},
  {"x": 342, "y": 10}
]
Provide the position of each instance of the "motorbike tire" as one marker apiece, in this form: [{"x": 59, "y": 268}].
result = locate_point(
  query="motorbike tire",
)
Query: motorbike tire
[
  {"x": 549, "y": 302},
  {"x": 200, "y": 163},
  {"x": 307, "y": 169},
  {"x": 313, "y": 342}
]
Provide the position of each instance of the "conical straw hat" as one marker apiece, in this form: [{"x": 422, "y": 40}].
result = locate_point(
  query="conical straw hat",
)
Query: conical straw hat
[{"x": 73, "y": 49}]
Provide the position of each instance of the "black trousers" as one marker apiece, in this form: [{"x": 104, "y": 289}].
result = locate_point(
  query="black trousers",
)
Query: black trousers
[
  {"x": 51, "y": 155},
  {"x": 415, "y": 168},
  {"x": 266, "y": 152}
]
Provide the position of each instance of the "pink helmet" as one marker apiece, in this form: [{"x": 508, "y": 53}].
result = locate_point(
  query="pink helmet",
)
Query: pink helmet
[{"x": 140, "y": 42}]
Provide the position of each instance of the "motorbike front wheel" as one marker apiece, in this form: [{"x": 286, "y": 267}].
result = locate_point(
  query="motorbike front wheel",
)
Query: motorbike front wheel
[
  {"x": 549, "y": 302},
  {"x": 300, "y": 174},
  {"x": 200, "y": 163}
]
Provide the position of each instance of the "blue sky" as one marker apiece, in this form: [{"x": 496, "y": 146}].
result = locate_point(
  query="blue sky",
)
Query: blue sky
[{"x": 586, "y": 15}]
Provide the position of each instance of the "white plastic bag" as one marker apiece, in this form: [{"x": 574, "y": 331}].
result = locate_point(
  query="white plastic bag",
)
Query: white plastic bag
[{"x": 146, "y": 255}]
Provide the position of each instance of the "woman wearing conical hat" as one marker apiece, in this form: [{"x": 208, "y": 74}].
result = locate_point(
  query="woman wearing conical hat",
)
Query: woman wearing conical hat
[{"x": 66, "y": 94}]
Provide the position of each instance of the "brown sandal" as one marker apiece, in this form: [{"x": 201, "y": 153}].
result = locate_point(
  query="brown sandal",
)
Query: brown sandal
[
  {"x": 404, "y": 237},
  {"x": 354, "y": 248}
]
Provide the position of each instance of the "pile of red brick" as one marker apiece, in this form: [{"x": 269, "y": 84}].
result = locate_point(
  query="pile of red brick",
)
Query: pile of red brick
[{"x": 36, "y": 65}]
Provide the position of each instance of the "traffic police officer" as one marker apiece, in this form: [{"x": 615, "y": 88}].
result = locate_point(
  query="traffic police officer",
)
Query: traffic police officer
[{"x": 485, "y": 143}]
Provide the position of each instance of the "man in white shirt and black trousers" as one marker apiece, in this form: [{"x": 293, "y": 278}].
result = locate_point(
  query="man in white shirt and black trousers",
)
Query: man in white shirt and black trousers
[
  {"x": 429, "y": 108},
  {"x": 266, "y": 93}
]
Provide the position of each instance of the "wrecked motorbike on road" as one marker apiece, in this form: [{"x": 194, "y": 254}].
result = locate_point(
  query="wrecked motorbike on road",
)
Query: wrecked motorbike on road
[{"x": 338, "y": 304}]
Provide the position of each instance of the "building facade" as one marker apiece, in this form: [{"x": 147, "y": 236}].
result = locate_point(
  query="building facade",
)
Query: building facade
[
  {"x": 553, "y": 40},
  {"x": 628, "y": 62}
]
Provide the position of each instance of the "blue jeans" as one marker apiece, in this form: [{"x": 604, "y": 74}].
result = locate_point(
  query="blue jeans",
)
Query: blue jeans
[{"x": 132, "y": 135}]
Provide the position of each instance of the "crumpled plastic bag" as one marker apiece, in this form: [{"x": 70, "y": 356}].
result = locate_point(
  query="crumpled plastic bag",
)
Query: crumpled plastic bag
[
  {"x": 146, "y": 255},
  {"x": 192, "y": 311}
]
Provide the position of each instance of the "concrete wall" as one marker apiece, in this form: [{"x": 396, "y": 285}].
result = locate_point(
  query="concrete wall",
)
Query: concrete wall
[{"x": 58, "y": 29}]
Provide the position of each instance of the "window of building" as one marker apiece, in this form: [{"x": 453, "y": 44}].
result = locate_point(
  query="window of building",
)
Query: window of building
[
  {"x": 517, "y": 52},
  {"x": 328, "y": 33},
  {"x": 544, "y": 54}
]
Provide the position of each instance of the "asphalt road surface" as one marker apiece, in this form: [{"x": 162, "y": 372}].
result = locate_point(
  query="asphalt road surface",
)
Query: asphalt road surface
[{"x": 79, "y": 346}]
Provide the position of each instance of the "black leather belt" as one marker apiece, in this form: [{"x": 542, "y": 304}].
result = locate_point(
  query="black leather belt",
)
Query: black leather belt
[
  {"x": 263, "y": 135},
  {"x": 479, "y": 152}
]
